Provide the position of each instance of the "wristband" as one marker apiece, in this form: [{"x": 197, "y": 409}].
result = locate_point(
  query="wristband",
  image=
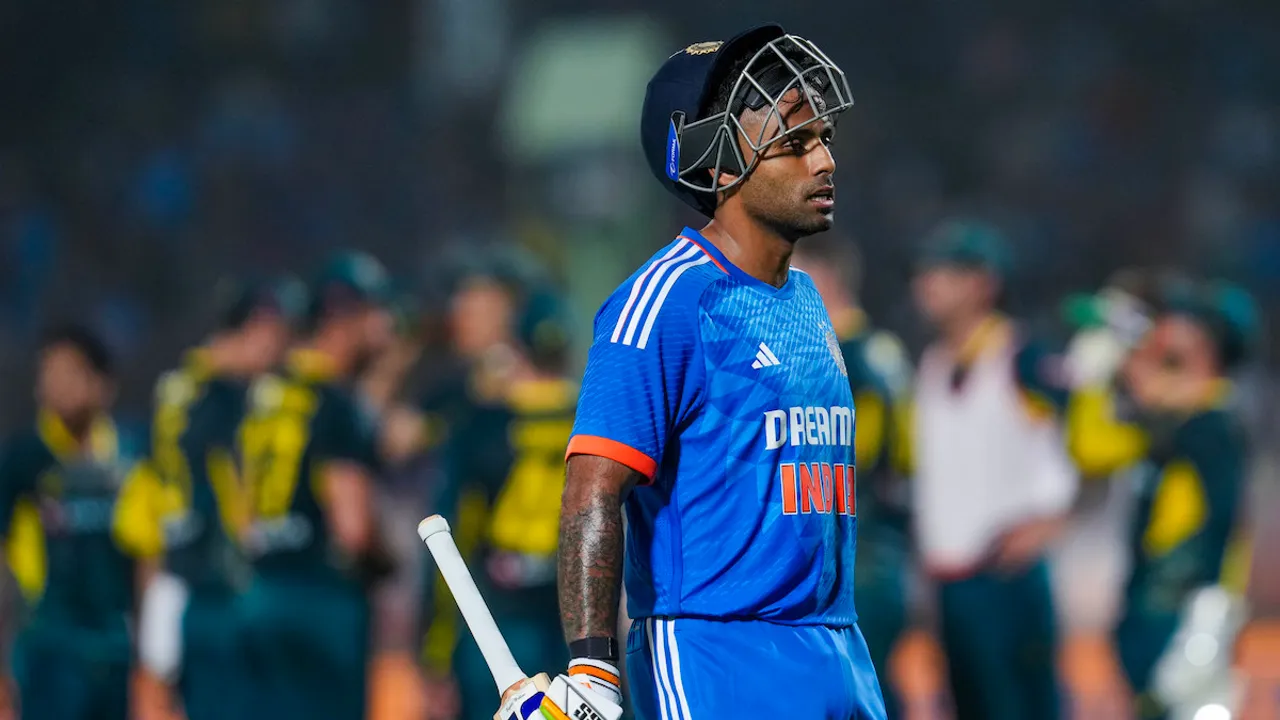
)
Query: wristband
[{"x": 596, "y": 648}]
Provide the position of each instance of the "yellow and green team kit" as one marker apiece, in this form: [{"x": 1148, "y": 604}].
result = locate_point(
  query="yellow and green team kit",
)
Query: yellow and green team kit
[
  {"x": 72, "y": 548},
  {"x": 1190, "y": 470},
  {"x": 199, "y": 512},
  {"x": 503, "y": 475},
  {"x": 879, "y": 373},
  {"x": 306, "y": 613}
]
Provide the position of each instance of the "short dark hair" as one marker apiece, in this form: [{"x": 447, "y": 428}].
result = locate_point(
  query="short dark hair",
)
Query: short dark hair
[{"x": 84, "y": 341}]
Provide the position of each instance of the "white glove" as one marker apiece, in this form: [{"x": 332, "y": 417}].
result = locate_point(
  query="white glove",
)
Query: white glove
[
  {"x": 579, "y": 700},
  {"x": 598, "y": 676},
  {"x": 160, "y": 631}
]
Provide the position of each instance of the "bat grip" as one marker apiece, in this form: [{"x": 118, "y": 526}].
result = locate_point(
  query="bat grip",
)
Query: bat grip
[{"x": 434, "y": 531}]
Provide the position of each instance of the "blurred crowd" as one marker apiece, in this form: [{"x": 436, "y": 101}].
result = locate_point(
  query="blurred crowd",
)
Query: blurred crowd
[
  {"x": 173, "y": 166},
  {"x": 160, "y": 147}
]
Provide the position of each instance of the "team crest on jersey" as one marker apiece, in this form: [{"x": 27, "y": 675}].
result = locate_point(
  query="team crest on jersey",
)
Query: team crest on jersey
[{"x": 833, "y": 345}]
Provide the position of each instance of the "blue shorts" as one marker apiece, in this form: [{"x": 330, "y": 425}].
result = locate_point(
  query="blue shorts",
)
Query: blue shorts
[{"x": 696, "y": 669}]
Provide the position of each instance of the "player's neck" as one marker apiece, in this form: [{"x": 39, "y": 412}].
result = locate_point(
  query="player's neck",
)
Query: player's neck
[
  {"x": 220, "y": 356},
  {"x": 963, "y": 333},
  {"x": 335, "y": 350},
  {"x": 753, "y": 248}
]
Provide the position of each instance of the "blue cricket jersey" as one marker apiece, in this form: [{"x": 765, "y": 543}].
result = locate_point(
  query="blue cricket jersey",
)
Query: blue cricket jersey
[{"x": 731, "y": 396}]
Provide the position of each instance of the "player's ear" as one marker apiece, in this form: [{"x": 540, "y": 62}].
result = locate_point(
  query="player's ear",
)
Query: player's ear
[{"x": 725, "y": 178}]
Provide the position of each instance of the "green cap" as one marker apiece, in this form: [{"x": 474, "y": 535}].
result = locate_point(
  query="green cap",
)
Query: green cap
[
  {"x": 1227, "y": 310},
  {"x": 236, "y": 299},
  {"x": 545, "y": 327},
  {"x": 349, "y": 277},
  {"x": 969, "y": 244}
]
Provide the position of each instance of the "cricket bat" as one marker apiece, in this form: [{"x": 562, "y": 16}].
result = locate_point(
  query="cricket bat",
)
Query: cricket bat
[
  {"x": 522, "y": 697},
  {"x": 434, "y": 531}
]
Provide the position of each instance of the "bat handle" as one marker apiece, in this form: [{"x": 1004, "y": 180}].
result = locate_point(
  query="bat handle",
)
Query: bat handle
[{"x": 434, "y": 531}]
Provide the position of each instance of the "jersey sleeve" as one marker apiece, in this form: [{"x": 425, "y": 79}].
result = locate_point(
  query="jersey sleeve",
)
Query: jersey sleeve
[
  {"x": 871, "y": 398},
  {"x": 644, "y": 379},
  {"x": 1197, "y": 500},
  {"x": 1043, "y": 379},
  {"x": 344, "y": 432},
  {"x": 137, "y": 524}
]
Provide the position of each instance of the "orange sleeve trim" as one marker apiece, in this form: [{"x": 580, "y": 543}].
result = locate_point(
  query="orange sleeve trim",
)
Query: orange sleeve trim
[
  {"x": 596, "y": 673},
  {"x": 613, "y": 450}
]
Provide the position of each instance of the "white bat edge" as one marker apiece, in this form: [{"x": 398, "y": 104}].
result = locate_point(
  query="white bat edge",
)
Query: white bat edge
[{"x": 434, "y": 531}]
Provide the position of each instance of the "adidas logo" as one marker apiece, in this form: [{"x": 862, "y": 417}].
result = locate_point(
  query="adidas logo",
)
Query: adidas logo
[{"x": 765, "y": 358}]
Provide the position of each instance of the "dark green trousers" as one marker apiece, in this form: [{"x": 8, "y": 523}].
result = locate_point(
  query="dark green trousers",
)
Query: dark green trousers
[
  {"x": 999, "y": 635},
  {"x": 1141, "y": 639},
  {"x": 307, "y": 648},
  {"x": 214, "y": 659},
  {"x": 61, "y": 679}
]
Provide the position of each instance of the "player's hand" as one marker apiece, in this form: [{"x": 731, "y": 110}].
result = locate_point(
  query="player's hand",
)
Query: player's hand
[
  {"x": 577, "y": 697},
  {"x": 572, "y": 697},
  {"x": 443, "y": 701},
  {"x": 8, "y": 704},
  {"x": 1026, "y": 543},
  {"x": 523, "y": 700}
]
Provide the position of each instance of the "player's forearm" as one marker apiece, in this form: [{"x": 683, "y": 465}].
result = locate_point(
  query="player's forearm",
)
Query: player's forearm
[{"x": 591, "y": 546}]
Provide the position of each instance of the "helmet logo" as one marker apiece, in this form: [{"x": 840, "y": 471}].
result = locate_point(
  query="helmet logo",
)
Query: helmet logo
[
  {"x": 703, "y": 48},
  {"x": 673, "y": 152}
]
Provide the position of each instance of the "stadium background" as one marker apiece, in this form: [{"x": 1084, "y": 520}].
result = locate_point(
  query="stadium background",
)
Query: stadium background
[{"x": 149, "y": 148}]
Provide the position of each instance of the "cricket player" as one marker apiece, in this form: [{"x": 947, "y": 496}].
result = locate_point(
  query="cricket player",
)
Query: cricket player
[
  {"x": 716, "y": 410},
  {"x": 189, "y": 632},
  {"x": 311, "y": 463},
  {"x": 992, "y": 480},
  {"x": 879, "y": 376},
  {"x": 502, "y": 481},
  {"x": 1191, "y": 484},
  {"x": 69, "y": 539}
]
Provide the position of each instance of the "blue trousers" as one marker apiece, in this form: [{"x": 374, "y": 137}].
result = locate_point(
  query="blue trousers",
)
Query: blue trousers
[{"x": 697, "y": 669}]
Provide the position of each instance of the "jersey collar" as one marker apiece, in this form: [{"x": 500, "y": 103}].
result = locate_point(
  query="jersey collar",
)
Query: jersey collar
[
  {"x": 994, "y": 332},
  {"x": 312, "y": 365},
  {"x": 103, "y": 439},
  {"x": 722, "y": 262},
  {"x": 199, "y": 364}
]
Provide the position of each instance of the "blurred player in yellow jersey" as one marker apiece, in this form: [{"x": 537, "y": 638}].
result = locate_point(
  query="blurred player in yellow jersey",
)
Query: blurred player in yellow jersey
[
  {"x": 311, "y": 461},
  {"x": 1193, "y": 457},
  {"x": 190, "y": 636},
  {"x": 503, "y": 475},
  {"x": 879, "y": 375},
  {"x": 71, "y": 539}
]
